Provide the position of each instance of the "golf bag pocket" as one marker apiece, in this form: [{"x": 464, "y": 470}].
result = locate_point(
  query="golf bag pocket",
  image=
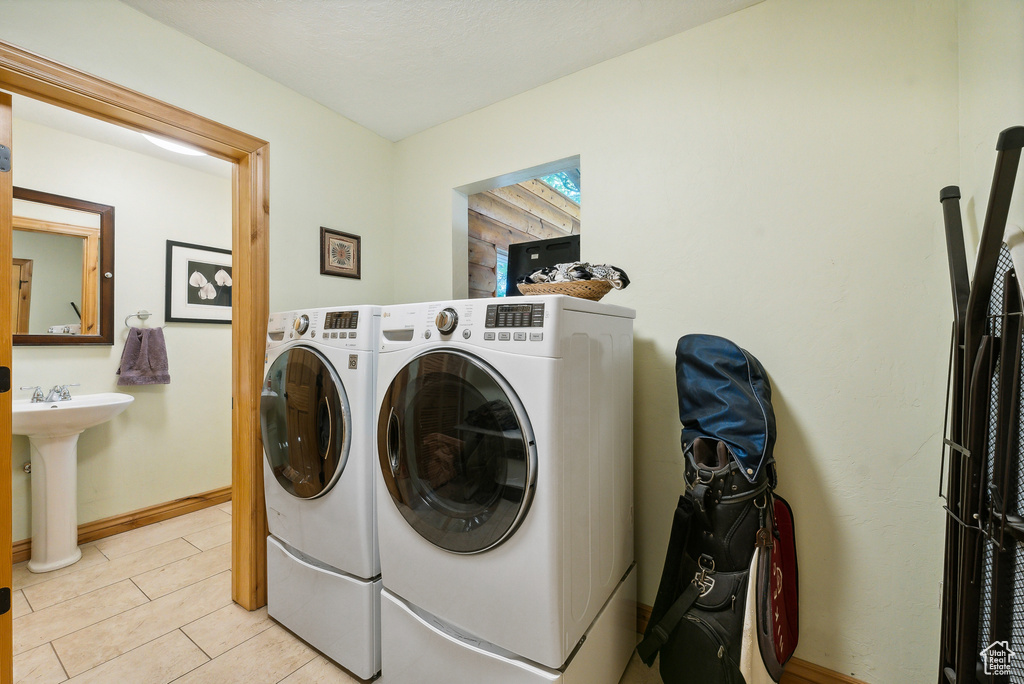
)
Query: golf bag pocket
[{"x": 703, "y": 647}]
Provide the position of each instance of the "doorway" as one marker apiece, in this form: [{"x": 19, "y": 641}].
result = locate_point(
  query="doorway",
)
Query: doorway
[
  {"x": 27, "y": 74},
  {"x": 81, "y": 183}
]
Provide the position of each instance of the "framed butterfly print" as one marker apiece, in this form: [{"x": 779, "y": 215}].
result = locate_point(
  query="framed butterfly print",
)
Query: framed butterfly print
[
  {"x": 340, "y": 254},
  {"x": 198, "y": 284}
]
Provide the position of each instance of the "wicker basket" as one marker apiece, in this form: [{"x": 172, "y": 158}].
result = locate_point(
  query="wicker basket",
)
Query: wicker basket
[{"x": 584, "y": 289}]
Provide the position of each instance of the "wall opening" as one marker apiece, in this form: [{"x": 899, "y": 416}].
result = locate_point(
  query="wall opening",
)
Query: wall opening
[{"x": 540, "y": 203}]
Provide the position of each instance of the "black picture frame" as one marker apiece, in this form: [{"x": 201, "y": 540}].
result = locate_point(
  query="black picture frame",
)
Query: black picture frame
[
  {"x": 197, "y": 284},
  {"x": 340, "y": 254}
]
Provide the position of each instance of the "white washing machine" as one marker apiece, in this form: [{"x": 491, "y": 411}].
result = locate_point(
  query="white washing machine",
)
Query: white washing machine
[
  {"x": 505, "y": 490},
  {"x": 317, "y": 416}
]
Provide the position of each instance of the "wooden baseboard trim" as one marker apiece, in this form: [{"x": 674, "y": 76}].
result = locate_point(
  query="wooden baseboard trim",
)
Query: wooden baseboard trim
[
  {"x": 21, "y": 551},
  {"x": 98, "y": 529},
  {"x": 797, "y": 671},
  {"x": 643, "y": 616},
  {"x": 802, "y": 672}
]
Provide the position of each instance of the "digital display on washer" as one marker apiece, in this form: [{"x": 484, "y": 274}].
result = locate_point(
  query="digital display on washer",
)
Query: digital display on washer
[
  {"x": 515, "y": 316},
  {"x": 341, "y": 320}
]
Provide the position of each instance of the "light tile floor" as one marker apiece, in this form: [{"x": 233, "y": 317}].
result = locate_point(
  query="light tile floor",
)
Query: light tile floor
[{"x": 153, "y": 605}]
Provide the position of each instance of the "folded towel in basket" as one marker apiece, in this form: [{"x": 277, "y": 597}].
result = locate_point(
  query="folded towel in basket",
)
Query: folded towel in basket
[
  {"x": 578, "y": 270},
  {"x": 144, "y": 359}
]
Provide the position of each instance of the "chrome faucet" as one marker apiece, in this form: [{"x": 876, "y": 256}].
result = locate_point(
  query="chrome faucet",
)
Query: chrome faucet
[
  {"x": 59, "y": 393},
  {"x": 37, "y": 394}
]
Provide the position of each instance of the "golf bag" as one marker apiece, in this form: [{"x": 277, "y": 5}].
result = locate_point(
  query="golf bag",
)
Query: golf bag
[
  {"x": 982, "y": 613},
  {"x": 726, "y": 608}
]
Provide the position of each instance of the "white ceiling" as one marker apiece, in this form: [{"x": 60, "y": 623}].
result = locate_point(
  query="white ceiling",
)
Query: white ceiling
[{"x": 399, "y": 67}]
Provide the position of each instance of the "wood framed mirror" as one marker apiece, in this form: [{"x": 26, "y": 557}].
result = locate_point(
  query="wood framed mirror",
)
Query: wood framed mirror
[{"x": 63, "y": 275}]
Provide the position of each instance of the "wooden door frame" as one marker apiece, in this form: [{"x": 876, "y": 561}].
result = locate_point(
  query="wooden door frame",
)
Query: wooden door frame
[
  {"x": 6, "y": 342},
  {"x": 25, "y": 73}
]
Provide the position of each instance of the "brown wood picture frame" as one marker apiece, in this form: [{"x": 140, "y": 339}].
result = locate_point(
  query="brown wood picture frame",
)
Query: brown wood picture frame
[{"x": 340, "y": 254}]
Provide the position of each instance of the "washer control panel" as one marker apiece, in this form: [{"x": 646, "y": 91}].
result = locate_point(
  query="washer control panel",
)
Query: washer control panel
[{"x": 515, "y": 316}]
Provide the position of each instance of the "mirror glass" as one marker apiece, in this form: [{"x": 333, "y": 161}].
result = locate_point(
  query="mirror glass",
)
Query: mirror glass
[{"x": 63, "y": 249}]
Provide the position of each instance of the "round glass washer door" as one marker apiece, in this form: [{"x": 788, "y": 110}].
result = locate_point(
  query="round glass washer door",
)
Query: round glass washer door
[
  {"x": 305, "y": 418},
  {"x": 456, "y": 451}
]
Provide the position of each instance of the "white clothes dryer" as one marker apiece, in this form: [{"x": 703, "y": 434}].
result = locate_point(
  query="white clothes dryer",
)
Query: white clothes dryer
[
  {"x": 505, "y": 488},
  {"x": 317, "y": 417}
]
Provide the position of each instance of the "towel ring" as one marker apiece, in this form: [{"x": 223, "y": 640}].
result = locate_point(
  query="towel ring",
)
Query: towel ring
[{"x": 142, "y": 315}]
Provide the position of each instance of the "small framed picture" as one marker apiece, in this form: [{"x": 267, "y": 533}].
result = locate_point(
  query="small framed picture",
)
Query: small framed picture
[
  {"x": 198, "y": 288},
  {"x": 340, "y": 254}
]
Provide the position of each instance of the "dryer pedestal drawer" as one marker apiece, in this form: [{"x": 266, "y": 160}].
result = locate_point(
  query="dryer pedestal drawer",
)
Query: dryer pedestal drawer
[
  {"x": 418, "y": 647},
  {"x": 337, "y": 614}
]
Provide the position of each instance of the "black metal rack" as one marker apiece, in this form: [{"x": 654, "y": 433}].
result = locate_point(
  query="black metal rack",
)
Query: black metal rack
[{"x": 983, "y": 574}]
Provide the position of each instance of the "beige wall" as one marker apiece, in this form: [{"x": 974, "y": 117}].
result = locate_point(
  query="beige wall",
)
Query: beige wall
[{"x": 771, "y": 177}]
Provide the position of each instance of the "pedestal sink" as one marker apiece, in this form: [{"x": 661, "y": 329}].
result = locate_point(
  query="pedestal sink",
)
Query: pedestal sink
[{"x": 52, "y": 428}]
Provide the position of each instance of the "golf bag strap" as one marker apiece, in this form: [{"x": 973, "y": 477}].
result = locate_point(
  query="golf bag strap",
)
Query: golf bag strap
[
  {"x": 670, "y": 573},
  {"x": 699, "y": 495},
  {"x": 658, "y": 636}
]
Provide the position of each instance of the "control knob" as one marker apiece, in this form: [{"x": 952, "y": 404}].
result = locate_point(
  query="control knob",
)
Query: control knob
[
  {"x": 302, "y": 324},
  {"x": 446, "y": 321}
]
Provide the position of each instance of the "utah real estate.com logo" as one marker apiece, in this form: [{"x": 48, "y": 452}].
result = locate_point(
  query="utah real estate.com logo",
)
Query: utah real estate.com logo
[{"x": 997, "y": 658}]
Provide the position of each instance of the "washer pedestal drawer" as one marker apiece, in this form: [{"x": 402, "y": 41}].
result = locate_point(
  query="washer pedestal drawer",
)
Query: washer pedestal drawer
[
  {"x": 337, "y": 614},
  {"x": 418, "y": 647}
]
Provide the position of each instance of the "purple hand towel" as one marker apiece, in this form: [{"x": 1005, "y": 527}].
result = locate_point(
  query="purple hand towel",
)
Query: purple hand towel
[{"x": 144, "y": 359}]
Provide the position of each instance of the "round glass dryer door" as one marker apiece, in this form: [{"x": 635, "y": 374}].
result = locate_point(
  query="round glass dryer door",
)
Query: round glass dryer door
[
  {"x": 456, "y": 451},
  {"x": 304, "y": 414}
]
